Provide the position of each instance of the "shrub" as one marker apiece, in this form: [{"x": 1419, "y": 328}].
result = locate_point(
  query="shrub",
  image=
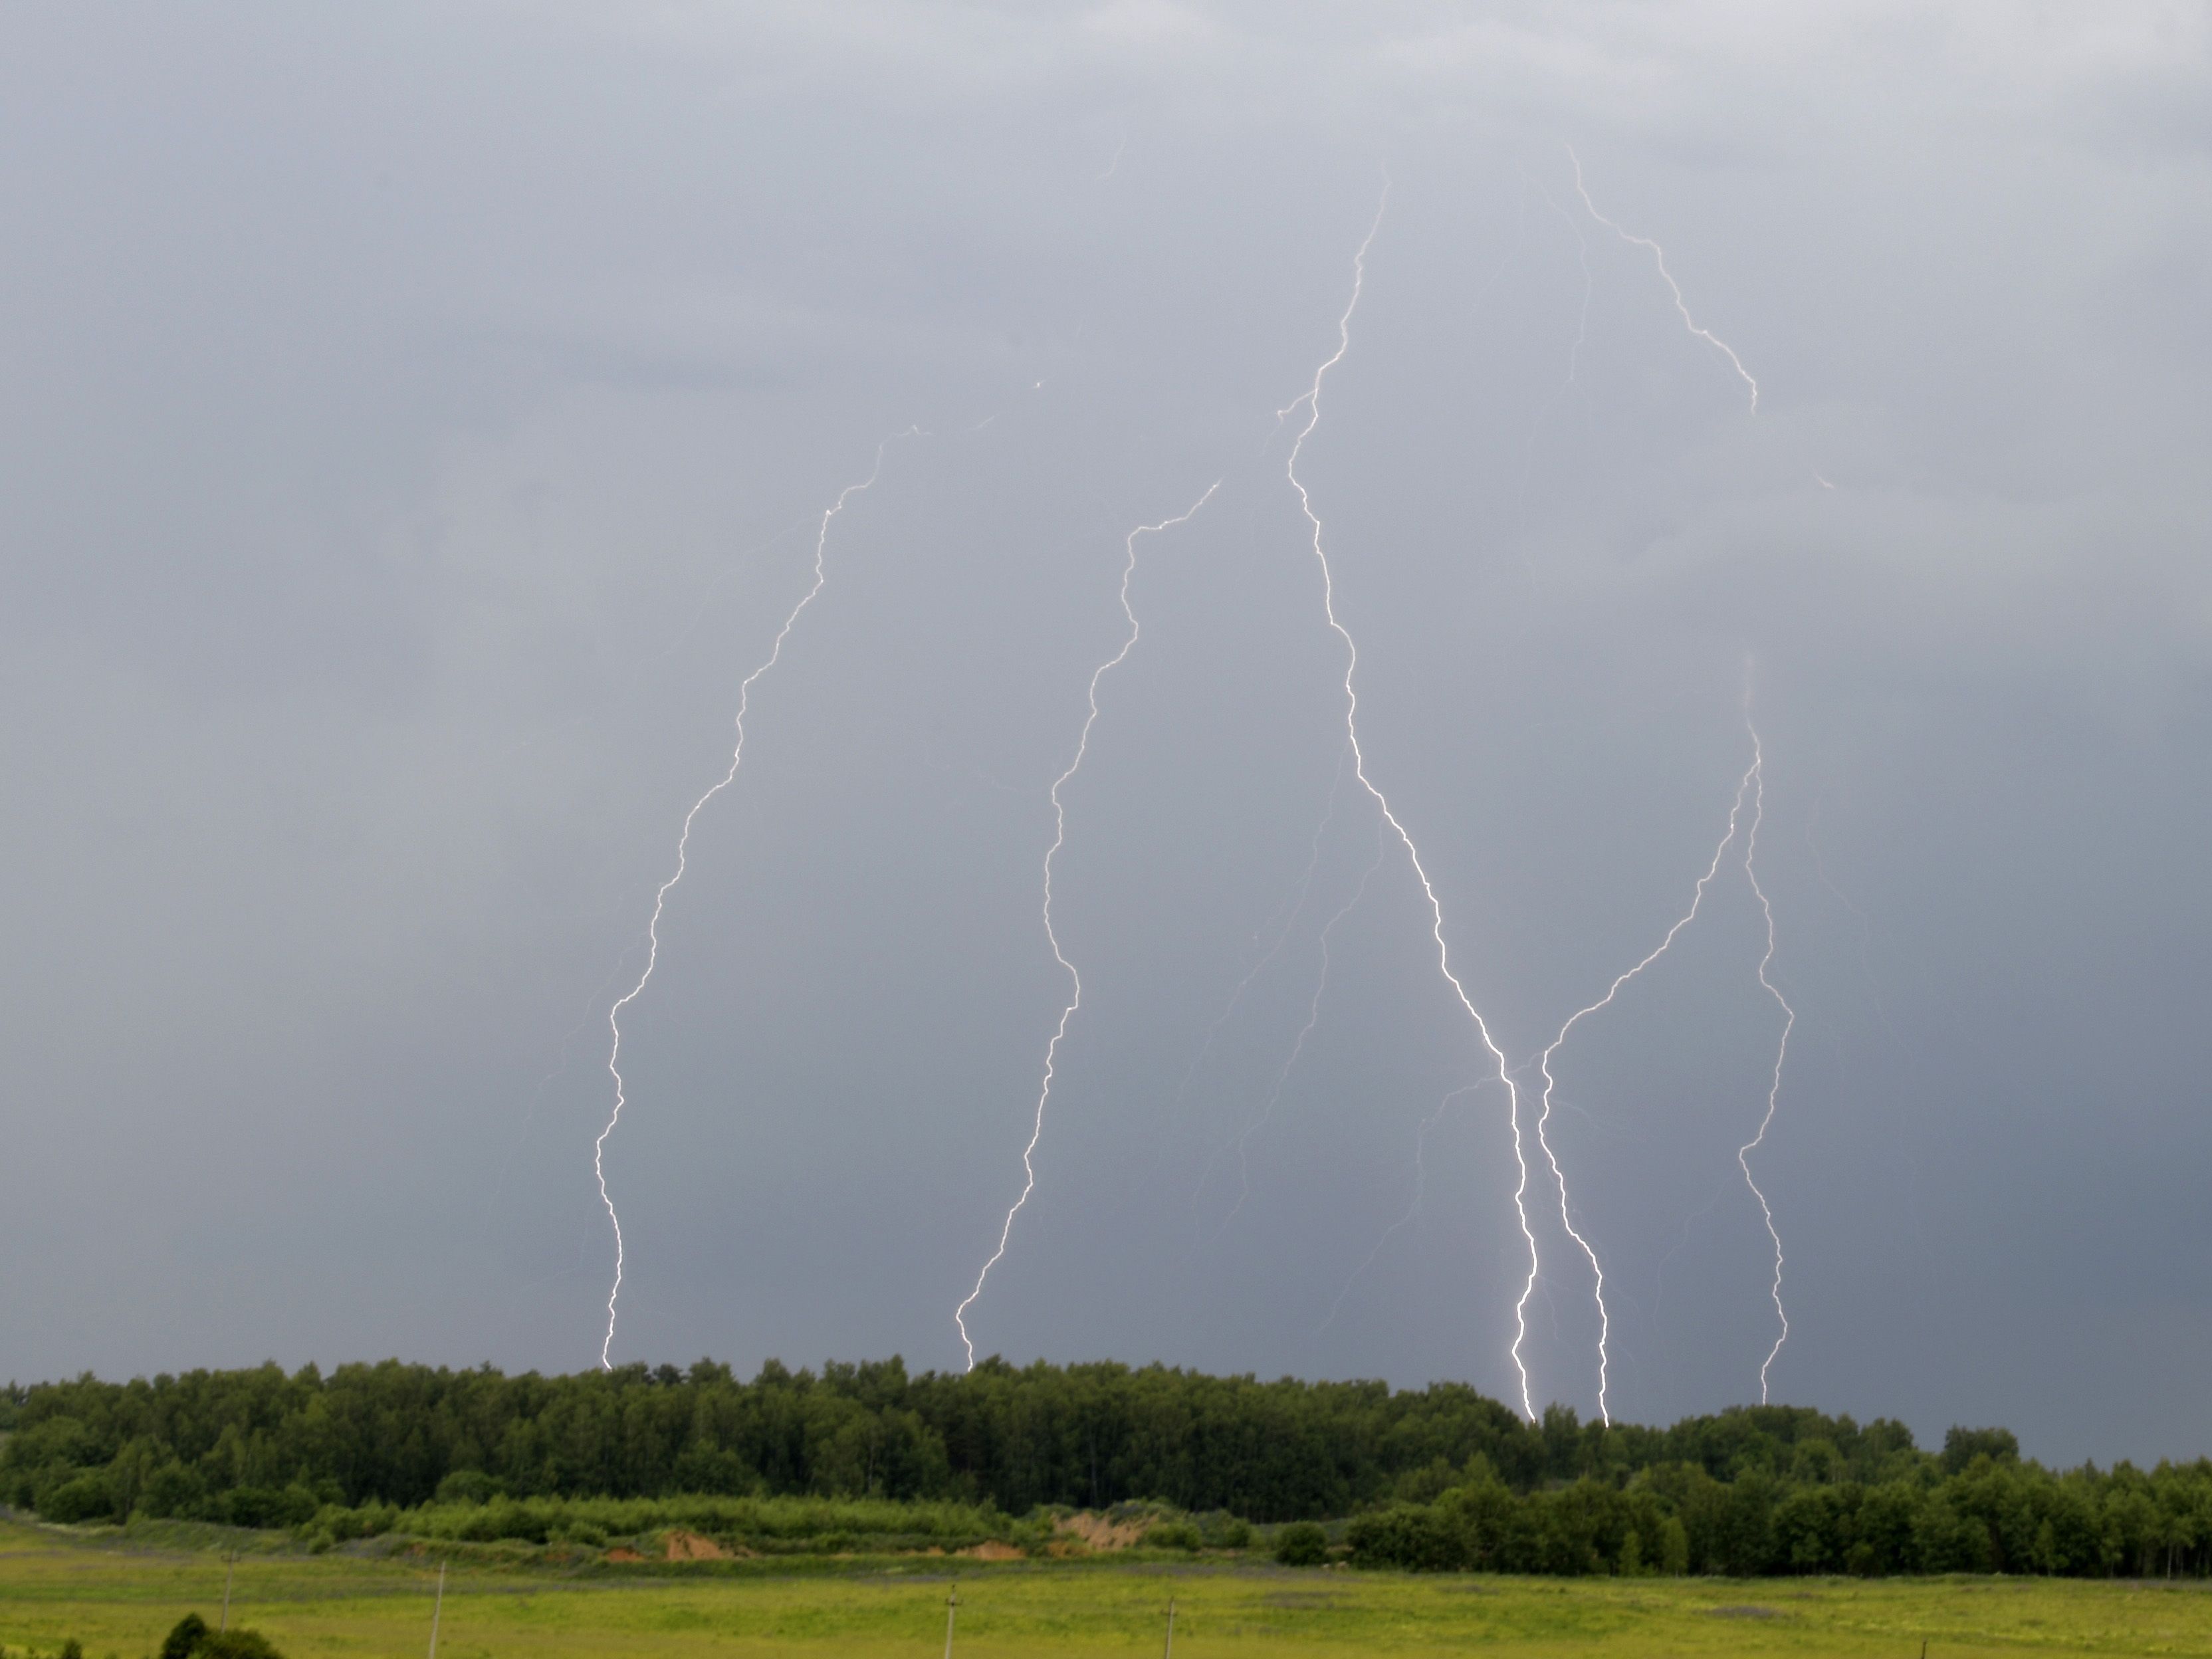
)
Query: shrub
[
  {"x": 469, "y": 1487},
  {"x": 1302, "y": 1544},
  {"x": 1172, "y": 1535},
  {"x": 192, "y": 1639},
  {"x": 1412, "y": 1537},
  {"x": 85, "y": 1499},
  {"x": 172, "y": 1489},
  {"x": 237, "y": 1644}
]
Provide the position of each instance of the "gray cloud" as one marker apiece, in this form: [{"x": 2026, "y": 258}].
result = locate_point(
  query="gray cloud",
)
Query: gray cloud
[{"x": 415, "y": 429}]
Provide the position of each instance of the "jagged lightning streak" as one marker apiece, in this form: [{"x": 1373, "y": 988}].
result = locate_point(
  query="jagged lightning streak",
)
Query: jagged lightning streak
[
  {"x": 1659, "y": 256},
  {"x": 1429, "y": 1125},
  {"x": 1312, "y": 399},
  {"x": 1059, "y": 838},
  {"x": 683, "y": 851},
  {"x": 1544, "y": 1065},
  {"x": 1294, "y": 901},
  {"x": 1781, "y": 1052},
  {"x": 1298, "y": 1046}
]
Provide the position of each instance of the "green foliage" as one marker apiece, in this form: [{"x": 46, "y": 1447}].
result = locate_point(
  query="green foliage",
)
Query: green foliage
[
  {"x": 1173, "y": 1535},
  {"x": 469, "y": 1487},
  {"x": 872, "y": 1458},
  {"x": 769, "y": 1525},
  {"x": 86, "y": 1497},
  {"x": 1962, "y": 1446},
  {"x": 2010, "y": 1516},
  {"x": 1302, "y": 1544},
  {"x": 236, "y": 1644},
  {"x": 191, "y": 1639},
  {"x": 1226, "y": 1532}
]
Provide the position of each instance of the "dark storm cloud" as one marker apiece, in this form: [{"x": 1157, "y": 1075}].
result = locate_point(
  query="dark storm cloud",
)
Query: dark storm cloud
[{"x": 415, "y": 429}]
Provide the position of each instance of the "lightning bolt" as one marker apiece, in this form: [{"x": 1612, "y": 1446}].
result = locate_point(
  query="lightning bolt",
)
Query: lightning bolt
[
  {"x": 1294, "y": 901},
  {"x": 1052, "y": 938},
  {"x": 1312, "y": 399},
  {"x": 1659, "y": 257},
  {"x": 1781, "y": 1052},
  {"x": 1429, "y": 1125},
  {"x": 1544, "y": 1113},
  {"x": 1298, "y": 1046},
  {"x": 683, "y": 851}
]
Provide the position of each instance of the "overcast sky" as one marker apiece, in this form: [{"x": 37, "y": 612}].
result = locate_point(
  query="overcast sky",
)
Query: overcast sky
[{"x": 417, "y": 424}]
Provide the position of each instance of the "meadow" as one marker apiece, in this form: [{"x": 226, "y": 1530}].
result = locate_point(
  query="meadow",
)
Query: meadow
[{"x": 117, "y": 1592}]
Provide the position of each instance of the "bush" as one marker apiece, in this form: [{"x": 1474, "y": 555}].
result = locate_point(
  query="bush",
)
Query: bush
[
  {"x": 1411, "y": 1537},
  {"x": 1302, "y": 1544},
  {"x": 469, "y": 1487},
  {"x": 192, "y": 1639},
  {"x": 85, "y": 1499},
  {"x": 237, "y": 1644},
  {"x": 262, "y": 1506},
  {"x": 1172, "y": 1535},
  {"x": 172, "y": 1489}
]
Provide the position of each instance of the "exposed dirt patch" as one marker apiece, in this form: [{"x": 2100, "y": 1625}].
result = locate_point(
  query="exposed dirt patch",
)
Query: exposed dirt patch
[
  {"x": 993, "y": 1551},
  {"x": 1099, "y": 1531},
  {"x": 623, "y": 1553},
  {"x": 695, "y": 1547}
]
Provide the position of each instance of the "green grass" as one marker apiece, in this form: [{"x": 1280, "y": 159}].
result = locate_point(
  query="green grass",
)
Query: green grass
[{"x": 119, "y": 1592}]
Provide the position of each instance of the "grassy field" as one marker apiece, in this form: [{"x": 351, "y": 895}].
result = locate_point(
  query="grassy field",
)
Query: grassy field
[{"x": 117, "y": 1595}]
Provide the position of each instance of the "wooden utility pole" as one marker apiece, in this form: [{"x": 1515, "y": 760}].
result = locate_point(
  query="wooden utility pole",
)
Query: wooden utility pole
[
  {"x": 1169, "y": 1654},
  {"x": 437, "y": 1607},
  {"x": 953, "y": 1606}
]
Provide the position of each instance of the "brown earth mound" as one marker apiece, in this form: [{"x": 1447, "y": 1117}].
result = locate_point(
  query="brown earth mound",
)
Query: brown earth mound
[
  {"x": 621, "y": 1553},
  {"x": 993, "y": 1551},
  {"x": 692, "y": 1546},
  {"x": 1100, "y": 1533}
]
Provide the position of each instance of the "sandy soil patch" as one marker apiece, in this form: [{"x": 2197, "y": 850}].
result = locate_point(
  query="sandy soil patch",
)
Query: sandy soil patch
[
  {"x": 695, "y": 1547},
  {"x": 1100, "y": 1533}
]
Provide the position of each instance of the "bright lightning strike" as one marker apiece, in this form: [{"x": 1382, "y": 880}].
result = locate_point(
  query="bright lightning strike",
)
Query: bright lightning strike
[
  {"x": 1312, "y": 399},
  {"x": 1052, "y": 938},
  {"x": 1659, "y": 256},
  {"x": 1781, "y": 1052},
  {"x": 1544, "y": 1113},
  {"x": 682, "y": 850}
]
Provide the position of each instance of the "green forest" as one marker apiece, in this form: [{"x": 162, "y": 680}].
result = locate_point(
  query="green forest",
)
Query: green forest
[{"x": 1440, "y": 1477}]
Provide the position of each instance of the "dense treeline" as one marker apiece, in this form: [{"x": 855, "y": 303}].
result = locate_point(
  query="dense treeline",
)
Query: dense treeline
[
  {"x": 1434, "y": 1477},
  {"x": 1995, "y": 1515}
]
